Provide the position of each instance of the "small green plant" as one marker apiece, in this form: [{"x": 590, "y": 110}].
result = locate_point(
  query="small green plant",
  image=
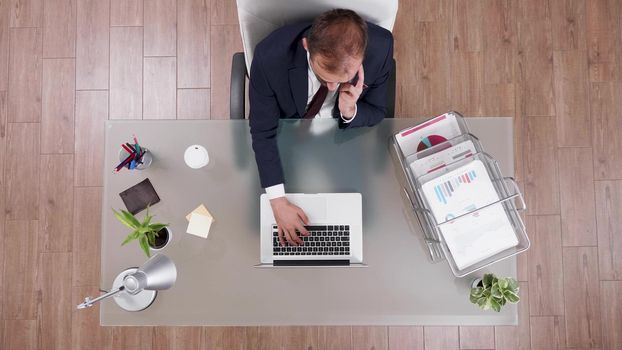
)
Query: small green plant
[
  {"x": 495, "y": 292},
  {"x": 145, "y": 232}
]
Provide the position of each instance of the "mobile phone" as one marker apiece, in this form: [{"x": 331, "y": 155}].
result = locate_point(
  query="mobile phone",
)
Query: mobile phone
[{"x": 354, "y": 80}]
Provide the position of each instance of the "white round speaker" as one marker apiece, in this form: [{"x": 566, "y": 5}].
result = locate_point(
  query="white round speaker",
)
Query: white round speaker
[{"x": 196, "y": 156}]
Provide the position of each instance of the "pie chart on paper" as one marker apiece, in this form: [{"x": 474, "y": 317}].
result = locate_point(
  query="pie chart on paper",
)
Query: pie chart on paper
[{"x": 430, "y": 141}]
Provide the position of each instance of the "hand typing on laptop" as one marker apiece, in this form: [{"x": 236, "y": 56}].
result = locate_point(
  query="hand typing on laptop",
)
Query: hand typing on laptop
[
  {"x": 321, "y": 229},
  {"x": 289, "y": 218}
]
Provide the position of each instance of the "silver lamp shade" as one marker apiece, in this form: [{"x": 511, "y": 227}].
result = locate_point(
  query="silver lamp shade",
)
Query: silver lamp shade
[
  {"x": 157, "y": 273},
  {"x": 135, "y": 289}
]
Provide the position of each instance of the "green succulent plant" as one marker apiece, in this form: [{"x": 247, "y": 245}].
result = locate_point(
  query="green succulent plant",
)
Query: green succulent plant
[
  {"x": 145, "y": 232},
  {"x": 495, "y": 292}
]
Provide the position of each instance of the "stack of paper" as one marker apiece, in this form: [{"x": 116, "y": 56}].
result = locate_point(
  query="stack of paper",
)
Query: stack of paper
[
  {"x": 438, "y": 160},
  {"x": 423, "y": 136},
  {"x": 199, "y": 221},
  {"x": 454, "y": 182},
  {"x": 477, "y": 236}
]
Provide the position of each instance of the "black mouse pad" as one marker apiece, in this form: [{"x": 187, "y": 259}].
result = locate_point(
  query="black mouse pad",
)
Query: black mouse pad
[{"x": 138, "y": 197}]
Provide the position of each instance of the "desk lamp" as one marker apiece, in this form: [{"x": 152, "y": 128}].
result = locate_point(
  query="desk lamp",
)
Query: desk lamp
[{"x": 135, "y": 289}]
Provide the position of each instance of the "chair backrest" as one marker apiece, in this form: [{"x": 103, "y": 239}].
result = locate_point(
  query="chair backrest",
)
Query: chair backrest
[{"x": 258, "y": 18}]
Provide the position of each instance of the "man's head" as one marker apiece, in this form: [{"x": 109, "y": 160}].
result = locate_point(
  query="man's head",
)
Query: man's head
[{"x": 336, "y": 43}]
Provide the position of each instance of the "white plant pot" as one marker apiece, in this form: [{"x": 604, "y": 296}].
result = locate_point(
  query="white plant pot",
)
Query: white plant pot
[
  {"x": 475, "y": 282},
  {"x": 170, "y": 238}
]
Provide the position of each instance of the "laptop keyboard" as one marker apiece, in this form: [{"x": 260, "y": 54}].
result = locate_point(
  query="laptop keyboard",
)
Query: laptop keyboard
[{"x": 323, "y": 240}]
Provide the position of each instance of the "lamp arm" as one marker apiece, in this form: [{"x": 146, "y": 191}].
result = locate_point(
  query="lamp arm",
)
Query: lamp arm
[{"x": 88, "y": 302}]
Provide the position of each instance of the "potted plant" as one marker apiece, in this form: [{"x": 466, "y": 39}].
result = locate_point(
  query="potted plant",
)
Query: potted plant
[
  {"x": 491, "y": 292},
  {"x": 149, "y": 235}
]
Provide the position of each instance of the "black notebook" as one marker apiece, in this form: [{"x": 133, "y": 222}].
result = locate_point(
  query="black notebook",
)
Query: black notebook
[{"x": 138, "y": 197}]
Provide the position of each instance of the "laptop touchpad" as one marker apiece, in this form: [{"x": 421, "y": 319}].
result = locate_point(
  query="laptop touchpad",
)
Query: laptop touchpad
[{"x": 314, "y": 207}]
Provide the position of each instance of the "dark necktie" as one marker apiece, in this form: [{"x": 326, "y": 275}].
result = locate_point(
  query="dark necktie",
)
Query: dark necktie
[{"x": 316, "y": 102}]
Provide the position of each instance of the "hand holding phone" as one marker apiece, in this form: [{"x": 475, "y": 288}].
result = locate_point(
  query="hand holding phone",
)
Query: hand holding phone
[{"x": 350, "y": 92}]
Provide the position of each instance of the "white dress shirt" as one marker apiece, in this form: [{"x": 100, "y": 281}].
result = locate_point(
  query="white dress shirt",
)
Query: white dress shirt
[{"x": 326, "y": 111}]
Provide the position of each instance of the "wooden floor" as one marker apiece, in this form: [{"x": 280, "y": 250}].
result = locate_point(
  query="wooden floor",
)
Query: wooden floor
[{"x": 68, "y": 65}]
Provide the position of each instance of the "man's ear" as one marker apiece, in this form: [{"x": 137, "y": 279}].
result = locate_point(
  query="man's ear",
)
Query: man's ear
[{"x": 304, "y": 44}]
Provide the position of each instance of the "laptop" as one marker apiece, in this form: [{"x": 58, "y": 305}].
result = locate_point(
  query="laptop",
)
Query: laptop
[{"x": 335, "y": 227}]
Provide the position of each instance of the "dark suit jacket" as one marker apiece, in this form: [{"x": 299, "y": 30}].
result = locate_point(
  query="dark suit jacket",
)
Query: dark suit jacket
[{"x": 278, "y": 89}]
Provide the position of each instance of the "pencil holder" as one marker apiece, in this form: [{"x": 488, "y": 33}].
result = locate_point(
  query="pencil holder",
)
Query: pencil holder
[{"x": 142, "y": 163}]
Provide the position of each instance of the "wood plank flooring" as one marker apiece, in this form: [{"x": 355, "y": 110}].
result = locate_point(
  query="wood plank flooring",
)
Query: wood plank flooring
[{"x": 66, "y": 66}]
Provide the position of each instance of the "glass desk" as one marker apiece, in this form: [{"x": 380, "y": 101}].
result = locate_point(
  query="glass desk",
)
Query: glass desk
[{"x": 217, "y": 283}]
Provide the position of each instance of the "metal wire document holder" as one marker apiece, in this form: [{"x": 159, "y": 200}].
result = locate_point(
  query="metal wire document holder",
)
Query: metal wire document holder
[{"x": 506, "y": 188}]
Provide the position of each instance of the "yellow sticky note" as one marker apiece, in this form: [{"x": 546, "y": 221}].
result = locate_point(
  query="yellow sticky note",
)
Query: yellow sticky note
[
  {"x": 199, "y": 224},
  {"x": 201, "y": 209}
]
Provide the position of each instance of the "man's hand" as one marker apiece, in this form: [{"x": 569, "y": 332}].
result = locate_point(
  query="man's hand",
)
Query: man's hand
[
  {"x": 349, "y": 94},
  {"x": 289, "y": 218}
]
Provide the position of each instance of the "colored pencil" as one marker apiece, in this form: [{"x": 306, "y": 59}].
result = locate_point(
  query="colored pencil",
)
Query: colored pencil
[
  {"x": 124, "y": 162},
  {"x": 127, "y": 149}
]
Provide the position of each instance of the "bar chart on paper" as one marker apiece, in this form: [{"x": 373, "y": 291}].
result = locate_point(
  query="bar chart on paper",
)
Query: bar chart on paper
[
  {"x": 460, "y": 190},
  {"x": 446, "y": 189}
]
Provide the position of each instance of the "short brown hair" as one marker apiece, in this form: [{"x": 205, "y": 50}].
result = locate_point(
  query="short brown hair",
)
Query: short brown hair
[{"x": 337, "y": 35}]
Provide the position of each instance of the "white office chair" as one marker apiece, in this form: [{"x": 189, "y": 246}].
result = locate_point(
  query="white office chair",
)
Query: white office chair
[{"x": 258, "y": 18}]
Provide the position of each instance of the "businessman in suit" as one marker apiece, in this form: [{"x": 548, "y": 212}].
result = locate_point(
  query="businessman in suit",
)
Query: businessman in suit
[{"x": 336, "y": 67}]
